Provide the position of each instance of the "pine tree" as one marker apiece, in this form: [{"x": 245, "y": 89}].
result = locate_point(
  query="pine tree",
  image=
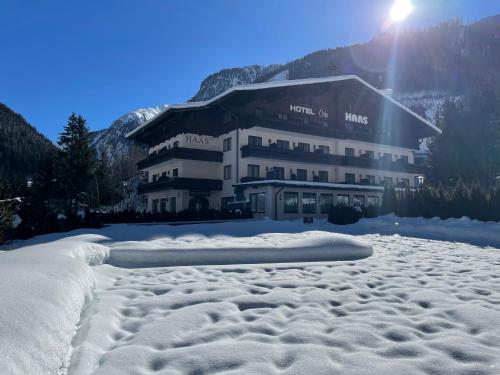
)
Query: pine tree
[
  {"x": 75, "y": 165},
  {"x": 105, "y": 191}
]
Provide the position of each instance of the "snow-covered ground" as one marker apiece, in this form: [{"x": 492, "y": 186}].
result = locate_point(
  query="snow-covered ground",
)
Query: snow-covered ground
[{"x": 421, "y": 304}]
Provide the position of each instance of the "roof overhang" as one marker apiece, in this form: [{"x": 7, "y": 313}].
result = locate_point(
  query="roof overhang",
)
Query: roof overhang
[
  {"x": 190, "y": 106},
  {"x": 311, "y": 185}
]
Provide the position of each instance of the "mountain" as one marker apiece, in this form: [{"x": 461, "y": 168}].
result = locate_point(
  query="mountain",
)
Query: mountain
[
  {"x": 219, "y": 82},
  {"x": 23, "y": 150},
  {"x": 120, "y": 152},
  {"x": 112, "y": 141}
]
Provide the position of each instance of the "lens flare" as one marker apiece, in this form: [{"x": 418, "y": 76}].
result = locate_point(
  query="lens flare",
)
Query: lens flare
[{"x": 400, "y": 10}]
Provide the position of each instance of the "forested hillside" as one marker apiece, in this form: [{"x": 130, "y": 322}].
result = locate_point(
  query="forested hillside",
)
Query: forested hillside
[{"x": 23, "y": 149}]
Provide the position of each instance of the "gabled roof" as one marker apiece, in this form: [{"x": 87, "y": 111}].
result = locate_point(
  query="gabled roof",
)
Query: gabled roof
[{"x": 274, "y": 84}]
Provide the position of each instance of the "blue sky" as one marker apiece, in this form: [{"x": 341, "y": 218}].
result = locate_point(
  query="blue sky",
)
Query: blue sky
[{"x": 104, "y": 58}]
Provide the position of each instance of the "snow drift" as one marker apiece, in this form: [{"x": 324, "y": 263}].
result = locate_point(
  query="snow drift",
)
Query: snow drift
[
  {"x": 313, "y": 246},
  {"x": 43, "y": 289}
]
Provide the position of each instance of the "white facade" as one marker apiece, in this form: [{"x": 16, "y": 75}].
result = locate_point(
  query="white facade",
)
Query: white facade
[{"x": 238, "y": 167}]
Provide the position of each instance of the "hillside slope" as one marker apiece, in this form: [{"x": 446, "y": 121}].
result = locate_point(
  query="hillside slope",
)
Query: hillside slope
[{"x": 23, "y": 149}]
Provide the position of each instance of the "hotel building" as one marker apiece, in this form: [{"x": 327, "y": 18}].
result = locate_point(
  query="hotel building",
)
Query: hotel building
[{"x": 285, "y": 149}]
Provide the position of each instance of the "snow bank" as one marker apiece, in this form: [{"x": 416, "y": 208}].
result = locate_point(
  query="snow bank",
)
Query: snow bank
[
  {"x": 43, "y": 290},
  {"x": 458, "y": 230},
  {"x": 193, "y": 250}
]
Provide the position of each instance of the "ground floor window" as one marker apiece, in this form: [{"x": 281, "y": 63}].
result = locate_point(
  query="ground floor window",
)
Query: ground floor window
[
  {"x": 309, "y": 203},
  {"x": 173, "y": 204},
  {"x": 373, "y": 201},
  {"x": 325, "y": 202},
  {"x": 163, "y": 205},
  {"x": 342, "y": 200},
  {"x": 291, "y": 203},
  {"x": 358, "y": 201},
  {"x": 258, "y": 202},
  {"x": 154, "y": 205}
]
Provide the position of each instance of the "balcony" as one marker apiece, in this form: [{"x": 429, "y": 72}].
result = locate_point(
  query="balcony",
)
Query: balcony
[
  {"x": 319, "y": 157},
  {"x": 180, "y": 153},
  {"x": 180, "y": 183}
]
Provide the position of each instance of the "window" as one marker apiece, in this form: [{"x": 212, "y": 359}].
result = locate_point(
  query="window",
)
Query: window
[
  {"x": 225, "y": 202},
  {"x": 302, "y": 174},
  {"x": 282, "y": 116},
  {"x": 350, "y": 178},
  {"x": 173, "y": 204},
  {"x": 349, "y": 151},
  {"x": 163, "y": 174},
  {"x": 227, "y": 172},
  {"x": 387, "y": 156},
  {"x": 258, "y": 202},
  {"x": 226, "y": 144},
  {"x": 253, "y": 171},
  {"x": 254, "y": 141},
  {"x": 176, "y": 144},
  {"x": 175, "y": 172},
  {"x": 358, "y": 201},
  {"x": 308, "y": 203},
  {"x": 323, "y": 176},
  {"x": 306, "y": 147},
  {"x": 279, "y": 173},
  {"x": 342, "y": 200},
  {"x": 283, "y": 144},
  {"x": 372, "y": 201},
  {"x": 154, "y": 205},
  {"x": 370, "y": 154},
  {"x": 370, "y": 179},
  {"x": 290, "y": 203},
  {"x": 227, "y": 117},
  {"x": 325, "y": 202},
  {"x": 388, "y": 182},
  {"x": 163, "y": 205},
  {"x": 155, "y": 177},
  {"x": 405, "y": 182},
  {"x": 404, "y": 159},
  {"x": 323, "y": 149}
]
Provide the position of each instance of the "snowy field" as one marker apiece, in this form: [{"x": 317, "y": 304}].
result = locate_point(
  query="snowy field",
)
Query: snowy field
[{"x": 426, "y": 301}]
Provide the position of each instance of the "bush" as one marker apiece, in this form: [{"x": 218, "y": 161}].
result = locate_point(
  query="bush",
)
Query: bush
[
  {"x": 371, "y": 211},
  {"x": 343, "y": 215}
]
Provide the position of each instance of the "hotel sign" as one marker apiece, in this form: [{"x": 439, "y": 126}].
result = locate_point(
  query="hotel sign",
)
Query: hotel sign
[
  {"x": 323, "y": 113},
  {"x": 352, "y": 117},
  {"x": 200, "y": 140}
]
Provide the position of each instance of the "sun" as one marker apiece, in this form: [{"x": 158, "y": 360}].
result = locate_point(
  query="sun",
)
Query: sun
[{"x": 400, "y": 10}]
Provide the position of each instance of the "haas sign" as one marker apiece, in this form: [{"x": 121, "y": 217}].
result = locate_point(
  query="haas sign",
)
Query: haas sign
[{"x": 351, "y": 117}]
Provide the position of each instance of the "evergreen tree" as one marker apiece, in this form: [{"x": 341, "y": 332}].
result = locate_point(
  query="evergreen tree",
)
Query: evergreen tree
[
  {"x": 75, "y": 163},
  {"x": 469, "y": 147},
  {"x": 105, "y": 191}
]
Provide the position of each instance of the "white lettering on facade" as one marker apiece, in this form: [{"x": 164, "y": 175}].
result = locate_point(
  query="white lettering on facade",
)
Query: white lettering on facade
[
  {"x": 198, "y": 140},
  {"x": 300, "y": 109},
  {"x": 356, "y": 118}
]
